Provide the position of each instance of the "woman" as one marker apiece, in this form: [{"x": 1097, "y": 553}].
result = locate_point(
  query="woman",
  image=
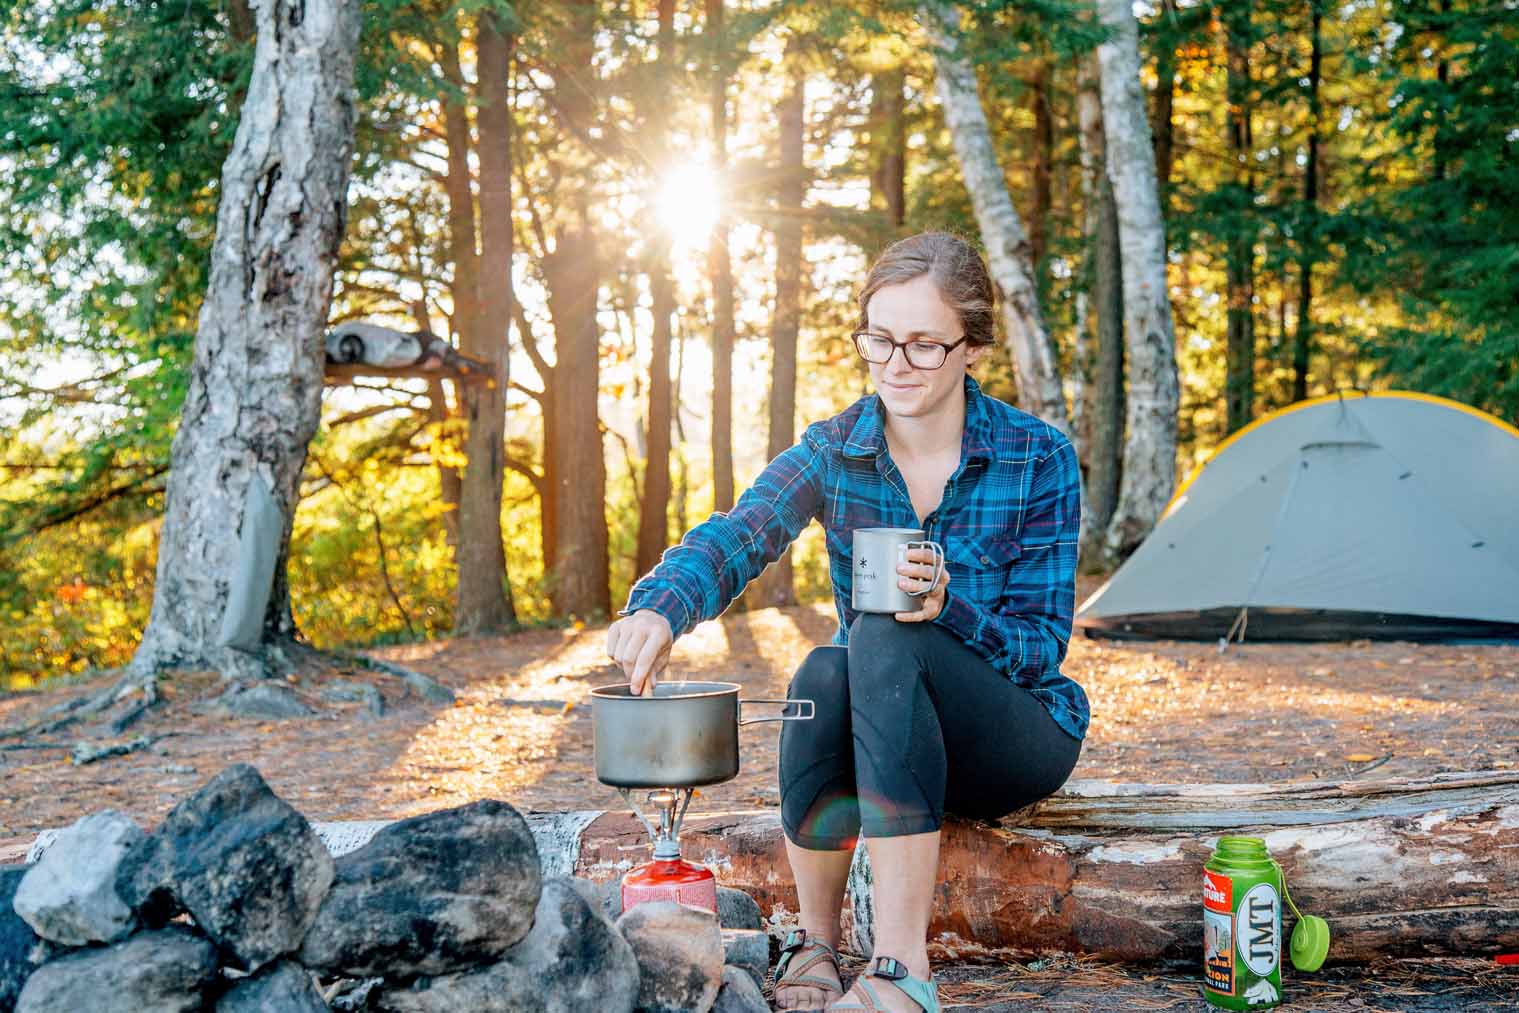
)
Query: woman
[{"x": 959, "y": 706}]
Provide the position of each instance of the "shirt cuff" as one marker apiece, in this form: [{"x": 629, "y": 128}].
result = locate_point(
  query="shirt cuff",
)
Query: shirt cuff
[
  {"x": 666, "y": 602},
  {"x": 961, "y": 618}
]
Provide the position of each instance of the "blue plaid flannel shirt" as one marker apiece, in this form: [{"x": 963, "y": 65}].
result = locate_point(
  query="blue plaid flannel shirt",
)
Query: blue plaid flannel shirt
[{"x": 1009, "y": 523}]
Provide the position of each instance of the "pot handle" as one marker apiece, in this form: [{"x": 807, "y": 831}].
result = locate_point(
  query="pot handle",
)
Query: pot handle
[{"x": 779, "y": 717}]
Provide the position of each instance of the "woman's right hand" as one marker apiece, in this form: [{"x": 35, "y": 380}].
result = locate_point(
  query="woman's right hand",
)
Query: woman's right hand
[{"x": 641, "y": 643}]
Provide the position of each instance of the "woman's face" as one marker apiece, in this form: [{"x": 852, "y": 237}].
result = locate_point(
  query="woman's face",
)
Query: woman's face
[{"x": 915, "y": 311}]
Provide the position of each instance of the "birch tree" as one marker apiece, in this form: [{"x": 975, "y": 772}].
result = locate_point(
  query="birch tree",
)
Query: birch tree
[
  {"x": 221, "y": 597},
  {"x": 1149, "y": 455},
  {"x": 1007, "y": 244}
]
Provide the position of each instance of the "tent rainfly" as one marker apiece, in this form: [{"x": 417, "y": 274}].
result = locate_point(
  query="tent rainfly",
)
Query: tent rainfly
[{"x": 1391, "y": 516}]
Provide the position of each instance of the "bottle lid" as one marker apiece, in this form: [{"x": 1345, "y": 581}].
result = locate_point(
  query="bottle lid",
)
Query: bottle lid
[{"x": 1310, "y": 943}]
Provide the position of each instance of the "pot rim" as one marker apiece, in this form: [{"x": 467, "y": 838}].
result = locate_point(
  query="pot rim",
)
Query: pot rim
[{"x": 622, "y": 691}]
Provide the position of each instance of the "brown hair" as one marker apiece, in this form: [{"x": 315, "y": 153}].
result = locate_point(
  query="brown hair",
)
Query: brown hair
[{"x": 956, "y": 269}]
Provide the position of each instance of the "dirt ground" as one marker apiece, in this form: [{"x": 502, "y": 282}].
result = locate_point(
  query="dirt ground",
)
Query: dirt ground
[{"x": 520, "y": 730}]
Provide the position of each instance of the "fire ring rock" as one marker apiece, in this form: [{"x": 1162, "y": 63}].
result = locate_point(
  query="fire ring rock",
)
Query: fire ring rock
[
  {"x": 152, "y": 972},
  {"x": 70, "y": 896},
  {"x": 430, "y": 895},
  {"x": 680, "y": 956},
  {"x": 246, "y": 865},
  {"x": 572, "y": 960}
]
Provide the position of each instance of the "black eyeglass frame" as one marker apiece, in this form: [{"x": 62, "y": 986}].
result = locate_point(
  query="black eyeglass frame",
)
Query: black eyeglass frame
[{"x": 864, "y": 332}]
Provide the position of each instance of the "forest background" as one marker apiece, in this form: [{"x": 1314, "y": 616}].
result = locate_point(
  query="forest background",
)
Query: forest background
[{"x": 694, "y": 190}]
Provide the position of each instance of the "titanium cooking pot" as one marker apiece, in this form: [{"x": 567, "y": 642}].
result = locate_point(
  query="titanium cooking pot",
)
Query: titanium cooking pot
[{"x": 684, "y": 736}]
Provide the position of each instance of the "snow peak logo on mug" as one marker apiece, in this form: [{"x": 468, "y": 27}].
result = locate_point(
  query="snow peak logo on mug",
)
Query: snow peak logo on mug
[{"x": 876, "y": 553}]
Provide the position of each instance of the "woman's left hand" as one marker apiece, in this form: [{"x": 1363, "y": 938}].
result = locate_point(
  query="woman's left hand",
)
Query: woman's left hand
[{"x": 913, "y": 576}]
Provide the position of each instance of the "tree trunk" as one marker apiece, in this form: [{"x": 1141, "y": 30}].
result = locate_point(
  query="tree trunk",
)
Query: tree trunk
[
  {"x": 1423, "y": 867},
  {"x": 1105, "y": 415},
  {"x": 255, "y": 391},
  {"x": 721, "y": 269},
  {"x": 776, "y": 587},
  {"x": 1302, "y": 338},
  {"x": 888, "y": 144},
  {"x": 480, "y": 606},
  {"x": 1044, "y": 148},
  {"x": 653, "y": 520},
  {"x": 578, "y": 582},
  {"x": 448, "y": 476},
  {"x": 1007, "y": 245},
  {"x": 1165, "y": 103},
  {"x": 1149, "y": 456},
  {"x": 1239, "y": 384}
]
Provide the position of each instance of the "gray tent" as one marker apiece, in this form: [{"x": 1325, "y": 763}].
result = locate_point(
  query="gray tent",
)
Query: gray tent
[{"x": 1389, "y": 516}]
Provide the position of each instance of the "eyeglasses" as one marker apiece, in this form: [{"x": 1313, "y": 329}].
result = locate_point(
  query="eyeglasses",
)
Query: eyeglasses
[{"x": 878, "y": 348}]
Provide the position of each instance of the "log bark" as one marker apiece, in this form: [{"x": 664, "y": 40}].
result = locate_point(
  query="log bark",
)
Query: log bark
[
  {"x": 1149, "y": 456},
  {"x": 1008, "y": 249},
  {"x": 254, "y": 398},
  {"x": 1398, "y": 867}
]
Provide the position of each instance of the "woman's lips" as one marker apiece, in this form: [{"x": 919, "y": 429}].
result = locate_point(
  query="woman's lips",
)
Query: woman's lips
[{"x": 902, "y": 386}]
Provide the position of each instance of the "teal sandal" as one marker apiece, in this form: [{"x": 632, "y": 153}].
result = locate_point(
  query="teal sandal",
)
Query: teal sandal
[
  {"x": 799, "y": 955},
  {"x": 924, "y": 993}
]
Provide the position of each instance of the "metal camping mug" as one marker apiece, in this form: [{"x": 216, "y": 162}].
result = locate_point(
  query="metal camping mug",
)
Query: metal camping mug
[{"x": 877, "y": 551}]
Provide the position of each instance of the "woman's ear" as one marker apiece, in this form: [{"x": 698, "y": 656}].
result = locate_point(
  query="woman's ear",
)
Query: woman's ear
[{"x": 973, "y": 354}]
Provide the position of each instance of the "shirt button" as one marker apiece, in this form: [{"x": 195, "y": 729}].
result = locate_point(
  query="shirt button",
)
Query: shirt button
[{"x": 986, "y": 560}]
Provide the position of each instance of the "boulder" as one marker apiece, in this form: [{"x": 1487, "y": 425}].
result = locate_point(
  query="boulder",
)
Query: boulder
[
  {"x": 572, "y": 960},
  {"x": 430, "y": 895},
  {"x": 680, "y": 956},
  {"x": 17, "y": 940},
  {"x": 70, "y": 895},
  {"x": 739, "y": 994},
  {"x": 246, "y": 865},
  {"x": 281, "y": 987},
  {"x": 167, "y": 971},
  {"x": 737, "y": 910},
  {"x": 261, "y": 701},
  {"x": 748, "y": 951}
]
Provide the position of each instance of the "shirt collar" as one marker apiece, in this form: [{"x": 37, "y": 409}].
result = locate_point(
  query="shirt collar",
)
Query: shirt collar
[{"x": 868, "y": 436}]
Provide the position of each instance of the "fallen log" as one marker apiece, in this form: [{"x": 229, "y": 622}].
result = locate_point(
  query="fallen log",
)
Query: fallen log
[{"x": 1399, "y": 867}]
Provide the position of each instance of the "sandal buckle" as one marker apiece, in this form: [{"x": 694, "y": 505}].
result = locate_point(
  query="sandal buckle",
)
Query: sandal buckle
[{"x": 889, "y": 968}]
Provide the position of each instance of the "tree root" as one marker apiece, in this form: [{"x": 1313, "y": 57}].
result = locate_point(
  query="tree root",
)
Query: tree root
[
  {"x": 56, "y": 718},
  {"x": 424, "y": 686}
]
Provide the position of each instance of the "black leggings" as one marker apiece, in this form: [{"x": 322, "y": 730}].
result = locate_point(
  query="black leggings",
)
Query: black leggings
[{"x": 910, "y": 722}]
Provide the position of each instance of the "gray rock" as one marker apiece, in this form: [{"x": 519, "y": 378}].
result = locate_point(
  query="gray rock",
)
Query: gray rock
[
  {"x": 356, "y": 999},
  {"x": 70, "y": 896},
  {"x": 430, "y": 895},
  {"x": 572, "y": 960},
  {"x": 247, "y": 866},
  {"x": 739, "y": 994},
  {"x": 17, "y": 939},
  {"x": 737, "y": 910},
  {"x": 748, "y": 951},
  {"x": 610, "y": 892},
  {"x": 680, "y": 956},
  {"x": 167, "y": 971},
  {"x": 352, "y": 691},
  {"x": 281, "y": 987},
  {"x": 262, "y": 701}
]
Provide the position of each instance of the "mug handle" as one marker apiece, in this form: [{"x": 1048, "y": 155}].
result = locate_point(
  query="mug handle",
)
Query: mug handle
[{"x": 938, "y": 551}]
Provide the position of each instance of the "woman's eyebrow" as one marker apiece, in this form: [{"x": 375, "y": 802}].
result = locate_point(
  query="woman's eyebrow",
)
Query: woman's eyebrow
[{"x": 912, "y": 334}]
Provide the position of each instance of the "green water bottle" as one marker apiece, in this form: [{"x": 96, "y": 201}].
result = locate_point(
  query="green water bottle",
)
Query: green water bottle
[{"x": 1242, "y": 926}]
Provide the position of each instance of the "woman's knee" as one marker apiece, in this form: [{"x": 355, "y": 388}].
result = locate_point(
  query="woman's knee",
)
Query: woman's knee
[{"x": 822, "y": 677}]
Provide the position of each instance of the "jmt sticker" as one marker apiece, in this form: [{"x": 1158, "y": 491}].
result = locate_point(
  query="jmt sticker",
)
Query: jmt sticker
[{"x": 1258, "y": 929}]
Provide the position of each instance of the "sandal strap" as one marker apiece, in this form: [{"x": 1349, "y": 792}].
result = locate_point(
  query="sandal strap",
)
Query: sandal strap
[
  {"x": 924, "y": 993},
  {"x": 792, "y": 952}
]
